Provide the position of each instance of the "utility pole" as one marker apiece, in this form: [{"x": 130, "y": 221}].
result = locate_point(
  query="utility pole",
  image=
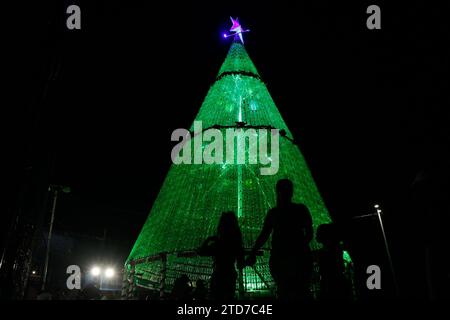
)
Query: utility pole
[
  {"x": 386, "y": 245},
  {"x": 388, "y": 251},
  {"x": 55, "y": 189},
  {"x": 49, "y": 238}
]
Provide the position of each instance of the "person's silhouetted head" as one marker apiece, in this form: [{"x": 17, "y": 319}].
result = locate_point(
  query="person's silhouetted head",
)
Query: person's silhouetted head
[
  {"x": 200, "y": 291},
  {"x": 181, "y": 288},
  {"x": 285, "y": 191}
]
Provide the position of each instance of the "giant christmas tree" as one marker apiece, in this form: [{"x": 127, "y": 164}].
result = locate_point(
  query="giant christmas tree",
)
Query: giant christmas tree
[{"x": 192, "y": 197}]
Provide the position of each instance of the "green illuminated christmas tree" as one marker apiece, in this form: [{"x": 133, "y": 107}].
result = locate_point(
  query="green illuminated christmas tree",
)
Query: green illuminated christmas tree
[{"x": 193, "y": 196}]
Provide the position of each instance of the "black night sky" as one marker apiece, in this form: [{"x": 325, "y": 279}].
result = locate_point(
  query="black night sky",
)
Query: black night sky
[{"x": 94, "y": 109}]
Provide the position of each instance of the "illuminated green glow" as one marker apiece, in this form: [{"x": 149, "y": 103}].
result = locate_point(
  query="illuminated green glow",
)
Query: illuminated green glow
[
  {"x": 239, "y": 191},
  {"x": 193, "y": 196},
  {"x": 237, "y": 61},
  {"x": 346, "y": 257}
]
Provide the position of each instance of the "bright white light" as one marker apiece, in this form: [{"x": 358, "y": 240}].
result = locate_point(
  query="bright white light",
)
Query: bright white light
[
  {"x": 33, "y": 272},
  {"x": 376, "y": 206},
  {"x": 95, "y": 271},
  {"x": 109, "y": 273}
]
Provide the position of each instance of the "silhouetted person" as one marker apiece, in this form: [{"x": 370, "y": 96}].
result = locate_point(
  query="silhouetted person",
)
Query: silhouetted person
[
  {"x": 90, "y": 292},
  {"x": 181, "y": 289},
  {"x": 200, "y": 291},
  {"x": 153, "y": 295},
  {"x": 226, "y": 250},
  {"x": 333, "y": 282},
  {"x": 44, "y": 295},
  {"x": 290, "y": 260}
]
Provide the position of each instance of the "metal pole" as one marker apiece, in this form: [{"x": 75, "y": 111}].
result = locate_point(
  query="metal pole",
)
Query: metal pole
[
  {"x": 125, "y": 284},
  {"x": 49, "y": 238},
  {"x": 388, "y": 252},
  {"x": 241, "y": 290},
  {"x": 162, "y": 287}
]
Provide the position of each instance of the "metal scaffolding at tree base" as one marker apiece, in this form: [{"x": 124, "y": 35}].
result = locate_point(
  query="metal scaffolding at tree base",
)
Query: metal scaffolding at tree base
[{"x": 145, "y": 279}]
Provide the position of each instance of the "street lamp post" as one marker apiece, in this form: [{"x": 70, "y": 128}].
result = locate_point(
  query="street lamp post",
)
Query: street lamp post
[
  {"x": 50, "y": 230},
  {"x": 386, "y": 245},
  {"x": 388, "y": 251}
]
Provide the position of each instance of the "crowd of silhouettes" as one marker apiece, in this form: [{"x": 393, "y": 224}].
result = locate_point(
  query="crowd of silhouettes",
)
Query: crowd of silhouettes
[
  {"x": 291, "y": 261},
  {"x": 290, "y": 226},
  {"x": 183, "y": 289}
]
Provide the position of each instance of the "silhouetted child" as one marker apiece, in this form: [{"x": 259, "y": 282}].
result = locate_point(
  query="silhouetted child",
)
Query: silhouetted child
[
  {"x": 333, "y": 282},
  {"x": 200, "y": 291},
  {"x": 181, "y": 289},
  {"x": 290, "y": 260},
  {"x": 226, "y": 250}
]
